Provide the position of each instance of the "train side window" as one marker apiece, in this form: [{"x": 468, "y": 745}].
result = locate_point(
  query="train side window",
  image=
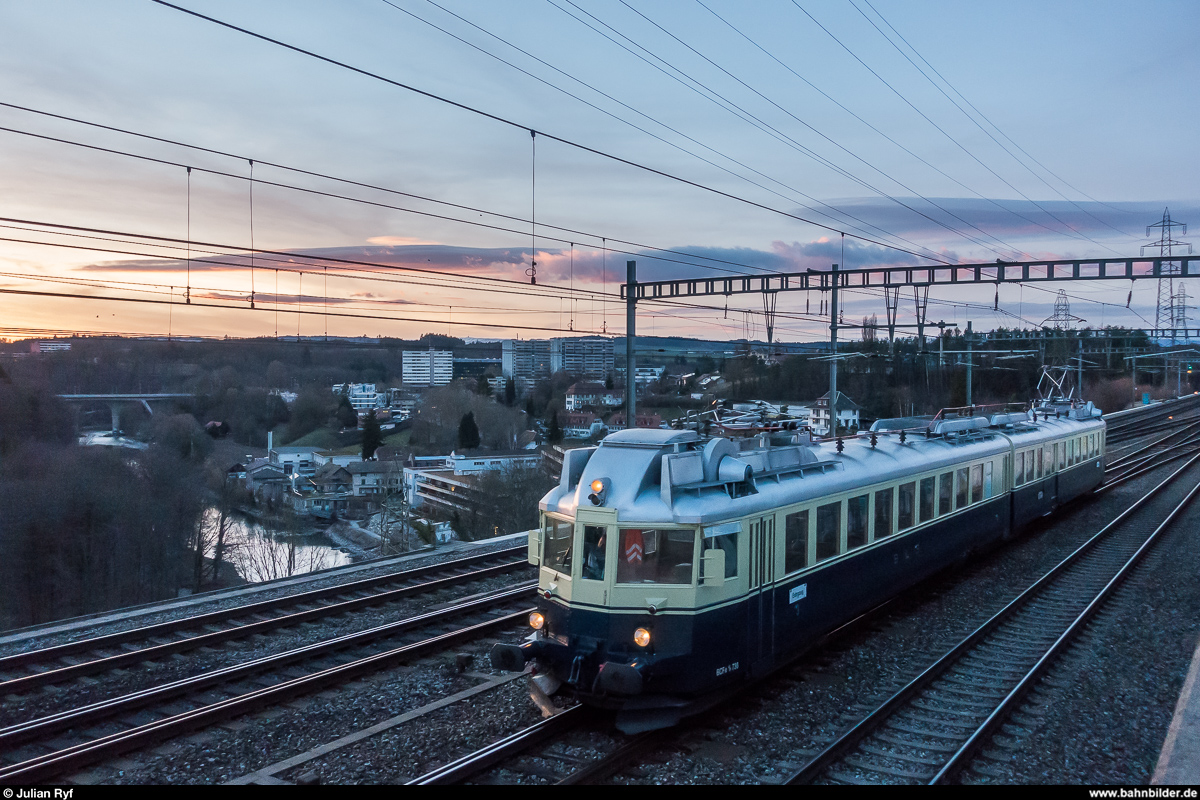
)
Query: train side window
[
  {"x": 927, "y": 487},
  {"x": 856, "y": 521},
  {"x": 1019, "y": 470},
  {"x": 883, "y": 513},
  {"x": 1060, "y": 454},
  {"x": 945, "y": 493},
  {"x": 976, "y": 483},
  {"x": 795, "y": 541},
  {"x": 964, "y": 476},
  {"x": 904, "y": 516},
  {"x": 594, "y": 543},
  {"x": 556, "y": 552},
  {"x": 829, "y": 530},
  {"x": 987, "y": 479},
  {"x": 653, "y": 556}
]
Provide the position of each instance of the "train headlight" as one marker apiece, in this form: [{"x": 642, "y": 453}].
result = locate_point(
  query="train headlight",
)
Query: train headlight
[
  {"x": 599, "y": 489},
  {"x": 641, "y": 637},
  {"x": 537, "y": 621}
]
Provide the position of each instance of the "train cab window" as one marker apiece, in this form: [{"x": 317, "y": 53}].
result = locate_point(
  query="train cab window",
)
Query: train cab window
[
  {"x": 927, "y": 487},
  {"x": 795, "y": 539},
  {"x": 976, "y": 483},
  {"x": 556, "y": 552},
  {"x": 987, "y": 479},
  {"x": 883, "y": 513},
  {"x": 907, "y": 503},
  {"x": 829, "y": 530},
  {"x": 653, "y": 556},
  {"x": 856, "y": 521},
  {"x": 945, "y": 493},
  {"x": 961, "y": 496},
  {"x": 594, "y": 544},
  {"x": 1019, "y": 470},
  {"x": 728, "y": 543}
]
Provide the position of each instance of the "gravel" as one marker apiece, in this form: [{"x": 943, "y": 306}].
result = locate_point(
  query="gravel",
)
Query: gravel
[{"x": 775, "y": 728}]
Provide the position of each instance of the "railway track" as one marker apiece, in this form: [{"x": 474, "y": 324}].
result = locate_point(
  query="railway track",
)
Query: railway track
[
  {"x": 65, "y": 742},
  {"x": 929, "y": 730},
  {"x": 573, "y": 748},
  {"x": 57, "y": 664},
  {"x": 1149, "y": 419}
]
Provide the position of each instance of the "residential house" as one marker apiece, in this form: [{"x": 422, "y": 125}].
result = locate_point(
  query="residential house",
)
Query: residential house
[
  {"x": 845, "y": 410},
  {"x": 325, "y": 493},
  {"x": 587, "y": 394}
]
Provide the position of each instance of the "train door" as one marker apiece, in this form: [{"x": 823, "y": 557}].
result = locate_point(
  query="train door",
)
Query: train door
[{"x": 762, "y": 606}]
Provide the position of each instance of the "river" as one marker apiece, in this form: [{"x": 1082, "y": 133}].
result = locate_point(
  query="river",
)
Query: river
[{"x": 262, "y": 552}]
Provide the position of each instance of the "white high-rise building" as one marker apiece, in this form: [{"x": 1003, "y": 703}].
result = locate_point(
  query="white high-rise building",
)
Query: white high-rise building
[{"x": 427, "y": 367}]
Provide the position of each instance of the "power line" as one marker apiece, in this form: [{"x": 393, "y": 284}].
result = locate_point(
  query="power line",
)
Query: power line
[
  {"x": 520, "y": 287},
  {"x": 725, "y": 104},
  {"x": 377, "y": 204},
  {"x": 988, "y": 121},
  {"x": 840, "y": 105},
  {"x": 964, "y": 111},
  {"x": 957, "y": 144},
  {"x": 523, "y": 127},
  {"x": 359, "y": 184},
  {"x": 153, "y": 301},
  {"x": 844, "y": 149},
  {"x": 634, "y": 110},
  {"x": 620, "y": 119}
]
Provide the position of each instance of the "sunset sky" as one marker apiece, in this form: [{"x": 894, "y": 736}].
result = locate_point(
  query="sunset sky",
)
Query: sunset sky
[{"x": 1072, "y": 129}]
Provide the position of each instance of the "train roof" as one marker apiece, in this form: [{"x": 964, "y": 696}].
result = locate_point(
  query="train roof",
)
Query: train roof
[{"x": 662, "y": 477}]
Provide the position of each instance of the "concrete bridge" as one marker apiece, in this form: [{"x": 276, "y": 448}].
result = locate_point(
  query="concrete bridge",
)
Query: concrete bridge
[{"x": 116, "y": 401}]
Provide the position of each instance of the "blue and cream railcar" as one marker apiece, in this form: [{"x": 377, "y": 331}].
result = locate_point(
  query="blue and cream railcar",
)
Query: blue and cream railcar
[{"x": 672, "y": 567}]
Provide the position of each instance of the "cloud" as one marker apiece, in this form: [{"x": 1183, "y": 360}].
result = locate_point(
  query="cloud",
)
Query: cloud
[{"x": 397, "y": 240}]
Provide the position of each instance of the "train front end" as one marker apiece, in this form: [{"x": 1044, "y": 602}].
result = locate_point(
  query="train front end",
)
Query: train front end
[{"x": 634, "y": 611}]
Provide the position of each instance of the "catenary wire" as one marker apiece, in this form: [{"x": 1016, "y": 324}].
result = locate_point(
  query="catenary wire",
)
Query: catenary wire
[{"x": 520, "y": 126}]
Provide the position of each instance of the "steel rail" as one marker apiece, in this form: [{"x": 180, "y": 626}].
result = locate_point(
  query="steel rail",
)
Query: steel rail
[
  {"x": 52, "y": 676},
  {"x": 76, "y": 757},
  {"x": 43, "y": 727},
  {"x": 962, "y": 757},
  {"x": 1128, "y": 476},
  {"x": 83, "y": 645},
  {"x": 472, "y": 764},
  {"x": 1151, "y": 459},
  {"x": 870, "y": 723},
  {"x": 1118, "y": 461}
]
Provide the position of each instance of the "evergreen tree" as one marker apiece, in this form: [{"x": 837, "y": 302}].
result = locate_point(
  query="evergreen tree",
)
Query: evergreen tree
[
  {"x": 468, "y": 432},
  {"x": 554, "y": 435},
  {"x": 346, "y": 414},
  {"x": 372, "y": 435},
  {"x": 510, "y": 392}
]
